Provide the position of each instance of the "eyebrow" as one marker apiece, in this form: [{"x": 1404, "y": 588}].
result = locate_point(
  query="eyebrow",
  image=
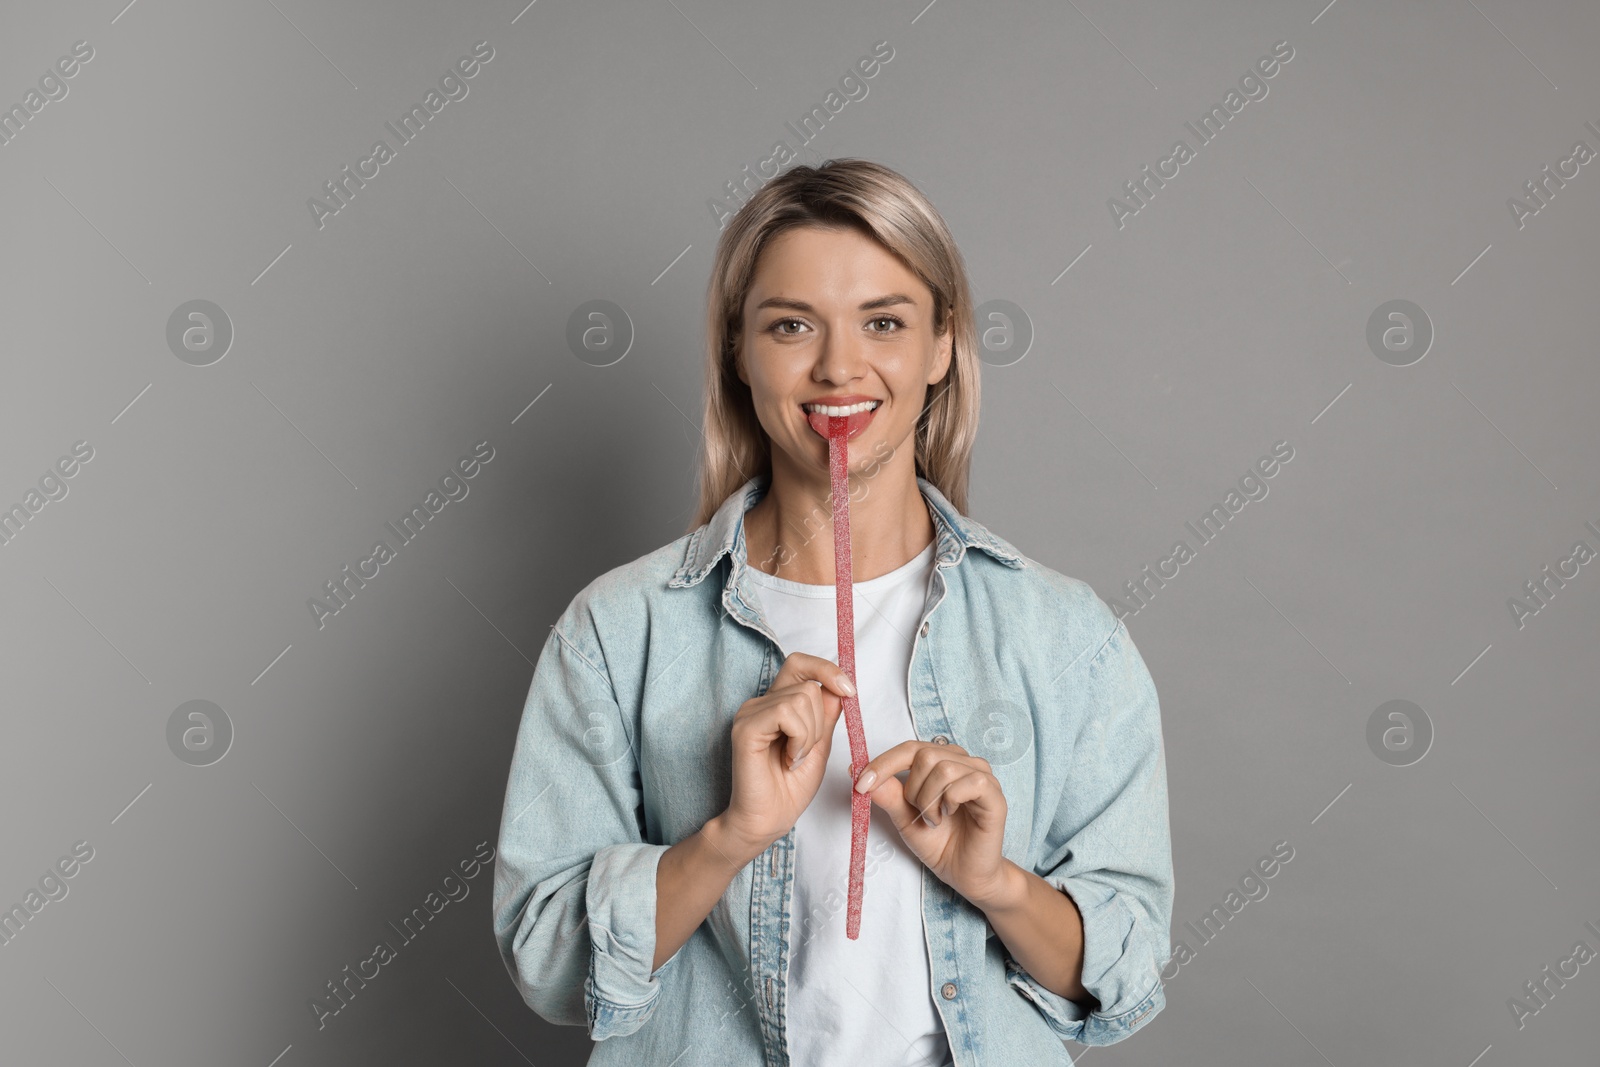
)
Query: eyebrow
[{"x": 801, "y": 305}]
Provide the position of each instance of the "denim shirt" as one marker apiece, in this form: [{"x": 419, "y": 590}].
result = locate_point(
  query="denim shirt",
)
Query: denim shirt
[{"x": 625, "y": 748}]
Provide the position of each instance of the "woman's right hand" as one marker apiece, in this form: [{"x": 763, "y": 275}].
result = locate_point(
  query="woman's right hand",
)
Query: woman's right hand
[{"x": 793, "y": 719}]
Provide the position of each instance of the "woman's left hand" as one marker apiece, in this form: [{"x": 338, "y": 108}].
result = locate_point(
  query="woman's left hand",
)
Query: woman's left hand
[{"x": 963, "y": 802}]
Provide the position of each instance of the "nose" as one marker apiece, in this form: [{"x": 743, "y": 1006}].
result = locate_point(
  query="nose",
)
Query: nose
[{"x": 839, "y": 359}]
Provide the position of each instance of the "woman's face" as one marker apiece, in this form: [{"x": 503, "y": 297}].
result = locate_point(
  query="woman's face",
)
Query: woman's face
[{"x": 833, "y": 316}]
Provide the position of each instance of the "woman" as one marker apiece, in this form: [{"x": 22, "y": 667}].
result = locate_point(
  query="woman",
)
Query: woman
[{"x": 675, "y": 840}]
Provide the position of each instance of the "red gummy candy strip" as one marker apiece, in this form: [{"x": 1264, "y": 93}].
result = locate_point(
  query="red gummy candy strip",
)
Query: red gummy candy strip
[{"x": 860, "y": 803}]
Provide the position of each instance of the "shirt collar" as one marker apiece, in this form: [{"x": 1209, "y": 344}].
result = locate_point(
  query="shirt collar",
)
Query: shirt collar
[{"x": 954, "y": 533}]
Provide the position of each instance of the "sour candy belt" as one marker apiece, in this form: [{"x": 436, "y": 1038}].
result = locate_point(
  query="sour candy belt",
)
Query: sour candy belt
[{"x": 860, "y": 803}]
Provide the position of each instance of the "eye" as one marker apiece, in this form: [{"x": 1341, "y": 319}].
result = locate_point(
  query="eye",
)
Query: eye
[
  {"x": 775, "y": 327},
  {"x": 887, "y": 318}
]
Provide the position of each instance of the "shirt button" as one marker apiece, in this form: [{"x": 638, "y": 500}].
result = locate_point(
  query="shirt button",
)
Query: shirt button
[
  {"x": 940, "y": 739},
  {"x": 924, "y": 629},
  {"x": 949, "y": 990}
]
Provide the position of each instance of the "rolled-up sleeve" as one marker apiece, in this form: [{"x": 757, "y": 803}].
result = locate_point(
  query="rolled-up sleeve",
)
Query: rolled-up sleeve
[
  {"x": 575, "y": 882},
  {"x": 1109, "y": 848}
]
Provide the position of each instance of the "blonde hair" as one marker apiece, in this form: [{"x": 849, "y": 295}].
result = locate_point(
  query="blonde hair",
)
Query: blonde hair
[{"x": 883, "y": 205}]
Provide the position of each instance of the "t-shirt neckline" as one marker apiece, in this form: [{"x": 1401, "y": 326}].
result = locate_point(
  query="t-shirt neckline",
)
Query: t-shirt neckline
[{"x": 904, "y": 572}]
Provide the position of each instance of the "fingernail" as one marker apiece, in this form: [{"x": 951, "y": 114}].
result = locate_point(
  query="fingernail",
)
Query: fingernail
[
  {"x": 847, "y": 685},
  {"x": 864, "y": 783}
]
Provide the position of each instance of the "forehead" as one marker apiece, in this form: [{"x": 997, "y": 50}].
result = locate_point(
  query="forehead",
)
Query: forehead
[{"x": 831, "y": 266}]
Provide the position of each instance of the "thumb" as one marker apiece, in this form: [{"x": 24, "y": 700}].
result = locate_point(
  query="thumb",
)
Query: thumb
[
  {"x": 890, "y": 795},
  {"x": 822, "y": 748},
  {"x": 834, "y": 727}
]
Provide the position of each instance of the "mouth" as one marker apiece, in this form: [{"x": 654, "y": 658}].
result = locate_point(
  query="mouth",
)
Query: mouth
[{"x": 856, "y": 417}]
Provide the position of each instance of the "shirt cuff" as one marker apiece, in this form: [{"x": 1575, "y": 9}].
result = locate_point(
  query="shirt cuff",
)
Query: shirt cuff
[
  {"x": 620, "y": 991},
  {"x": 1130, "y": 993}
]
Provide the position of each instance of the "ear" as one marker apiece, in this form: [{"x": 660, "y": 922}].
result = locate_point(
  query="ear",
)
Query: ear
[{"x": 944, "y": 353}]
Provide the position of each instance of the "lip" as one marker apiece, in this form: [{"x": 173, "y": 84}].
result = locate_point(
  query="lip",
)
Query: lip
[
  {"x": 841, "y": 401},
  {"x": 854, "y": 424}
]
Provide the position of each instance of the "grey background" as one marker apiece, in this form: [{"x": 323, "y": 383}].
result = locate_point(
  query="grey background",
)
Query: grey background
[{"x": 369, "y": 756}]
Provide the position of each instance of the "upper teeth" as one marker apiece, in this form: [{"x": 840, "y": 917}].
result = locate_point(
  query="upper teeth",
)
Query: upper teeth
[{"x": 852, "y": 409}]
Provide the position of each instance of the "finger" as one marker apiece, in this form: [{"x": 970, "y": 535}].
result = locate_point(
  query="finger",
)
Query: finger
[
  {"x": 890, "y": 796},
  {"x": 816, "y": 715},
  {"x": 977, "y": 792},
  {"x": 885, "y": 765},
  {"x": 811, "y": 699},
  {"x": 904, "y": 809},
  {"x": 801, "y": 667},
  {"x": 902, "y": 757},
  {"x": 927, "y": 787},
  {"x": 924, "y": 807},
  {"x": 832, "y": 708},
  {"x": 933, "y": 768},
  {"x": 787, "y": 723}
]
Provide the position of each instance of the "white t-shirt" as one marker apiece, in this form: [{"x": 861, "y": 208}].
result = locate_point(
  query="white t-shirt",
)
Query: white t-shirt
[{"x": 867, "y": 1000}]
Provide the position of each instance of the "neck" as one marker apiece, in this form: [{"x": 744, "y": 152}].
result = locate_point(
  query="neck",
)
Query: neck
[{"x": 789, "y": 531}]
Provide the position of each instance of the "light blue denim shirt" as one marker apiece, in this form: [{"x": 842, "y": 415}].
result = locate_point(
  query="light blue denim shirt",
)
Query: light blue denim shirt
[{"x": 624, "y": 748}]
